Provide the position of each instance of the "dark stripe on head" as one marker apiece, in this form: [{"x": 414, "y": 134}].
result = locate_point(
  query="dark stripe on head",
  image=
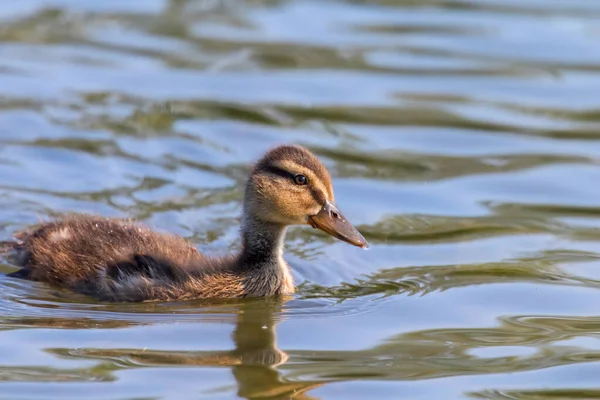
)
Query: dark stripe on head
[
  {"x": 277, "y": 171},
  {"x": 272, "y": 160}
]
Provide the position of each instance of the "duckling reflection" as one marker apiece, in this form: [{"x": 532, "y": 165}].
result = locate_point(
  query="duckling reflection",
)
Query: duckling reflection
[
  {"x": 253, "y": 361},
  {"x": 256, "y": 348}
]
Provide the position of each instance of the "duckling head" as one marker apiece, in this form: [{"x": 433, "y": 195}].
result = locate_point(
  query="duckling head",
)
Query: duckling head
[{"x": 290, "y": 186}]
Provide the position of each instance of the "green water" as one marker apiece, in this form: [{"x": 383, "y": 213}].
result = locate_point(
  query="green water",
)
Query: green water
[{"x": 464, "y": 141}]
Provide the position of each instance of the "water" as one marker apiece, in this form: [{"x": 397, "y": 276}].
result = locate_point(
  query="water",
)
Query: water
[{"x": 464, "y": 140}]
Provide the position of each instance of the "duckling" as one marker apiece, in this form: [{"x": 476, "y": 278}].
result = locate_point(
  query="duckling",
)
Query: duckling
[{"x": 121, "y": 260}]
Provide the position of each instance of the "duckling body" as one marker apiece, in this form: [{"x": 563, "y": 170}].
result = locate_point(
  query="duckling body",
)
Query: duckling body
[{"x": 122, "y": 260}]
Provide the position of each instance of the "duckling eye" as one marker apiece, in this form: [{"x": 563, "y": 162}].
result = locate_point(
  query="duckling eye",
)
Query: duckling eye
[{"x": 300, "y": 179}]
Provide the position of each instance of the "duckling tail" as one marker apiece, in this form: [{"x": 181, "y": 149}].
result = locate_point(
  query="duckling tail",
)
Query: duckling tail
[
  {"x": 7, "y": 246},
  {"x": 15, "y": 253},
  {"x": 11, "y": 251}
]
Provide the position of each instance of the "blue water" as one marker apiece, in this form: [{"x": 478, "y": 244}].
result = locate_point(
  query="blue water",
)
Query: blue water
[{"x": 464, "y": 142}]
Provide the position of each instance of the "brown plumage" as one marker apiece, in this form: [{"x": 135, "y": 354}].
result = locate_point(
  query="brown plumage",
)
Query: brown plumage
[{"x": 121, "y": 260}]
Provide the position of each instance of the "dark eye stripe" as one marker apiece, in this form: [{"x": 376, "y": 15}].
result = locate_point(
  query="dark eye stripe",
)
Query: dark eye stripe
[
  {"x": 316, "y": 194},
  {"x": 278, "y": 171}
]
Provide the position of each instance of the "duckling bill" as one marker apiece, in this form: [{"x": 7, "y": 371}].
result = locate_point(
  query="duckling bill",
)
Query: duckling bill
[
  {"x": 331, "y": 221},
  {"x": 121, "y": 260}
]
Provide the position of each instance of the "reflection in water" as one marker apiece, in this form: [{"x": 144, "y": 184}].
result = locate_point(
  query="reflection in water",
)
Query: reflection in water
[
  {"x": 262, "y": 370},
  {"x": 254, "y": 361},
  {"x": 256, "y": 349}
]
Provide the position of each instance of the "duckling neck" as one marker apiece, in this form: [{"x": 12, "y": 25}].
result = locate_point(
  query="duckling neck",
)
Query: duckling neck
[
  {"x": 262, "y": 254},
  {"x": 262, "y": 242}
]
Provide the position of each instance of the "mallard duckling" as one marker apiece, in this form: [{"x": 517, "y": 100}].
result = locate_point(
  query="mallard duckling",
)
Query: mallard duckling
[{"x": 121, "y": 260}]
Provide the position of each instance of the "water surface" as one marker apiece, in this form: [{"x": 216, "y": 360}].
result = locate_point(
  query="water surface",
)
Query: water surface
[{"x": 464, "y": 140}]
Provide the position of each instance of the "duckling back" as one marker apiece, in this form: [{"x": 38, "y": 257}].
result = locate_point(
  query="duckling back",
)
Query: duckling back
[{"x": 120, "y": 260}]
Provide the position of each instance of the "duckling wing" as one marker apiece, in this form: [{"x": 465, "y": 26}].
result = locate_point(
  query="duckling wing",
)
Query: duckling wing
[{"x": 82, "y": 250}]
